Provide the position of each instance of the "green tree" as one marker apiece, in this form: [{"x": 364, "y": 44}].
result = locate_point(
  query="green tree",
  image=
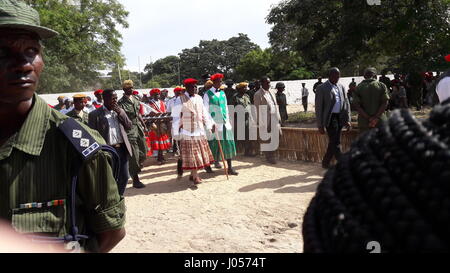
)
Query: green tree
[
  {"x": 89, "y": 41},
  {"x": 164, "y": 71},
  {"x": 403, "y": 33},
  {"x": 215, "y": 56},
  {"x": 255, "y": 64}
]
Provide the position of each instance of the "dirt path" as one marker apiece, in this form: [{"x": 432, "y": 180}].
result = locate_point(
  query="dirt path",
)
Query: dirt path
[{"x": 260, "y": 210}]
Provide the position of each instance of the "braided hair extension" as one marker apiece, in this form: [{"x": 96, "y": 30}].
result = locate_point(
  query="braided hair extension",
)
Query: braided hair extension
[{"x": 392, "y": 187}]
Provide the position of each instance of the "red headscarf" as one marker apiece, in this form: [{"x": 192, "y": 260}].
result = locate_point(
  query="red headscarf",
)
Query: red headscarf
[
  {"x": 217, "y": 76},
  {"x": 190, "y": 81},
  {"x": 155, "y": 91}
]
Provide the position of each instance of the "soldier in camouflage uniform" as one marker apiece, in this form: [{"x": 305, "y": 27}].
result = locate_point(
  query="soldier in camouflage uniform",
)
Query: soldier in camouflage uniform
[
  {"x": 38, "y": 163},
  {"x": 78, "y": 113},
  {"x": 131, "y": 105}
]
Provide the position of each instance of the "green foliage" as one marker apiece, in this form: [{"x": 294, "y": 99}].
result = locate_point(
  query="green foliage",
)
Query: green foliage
[
  {"x": 402, "y": 33},
  {"x": 278, "y": 66},
  {"x": 255, "y": 65},
  {"x": 164, "y": 71},
  {"x": 89, "y": 41}
]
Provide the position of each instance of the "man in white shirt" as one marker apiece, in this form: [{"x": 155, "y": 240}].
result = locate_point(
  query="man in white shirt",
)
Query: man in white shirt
[
  {"x": 191, "y": 119},
  {"x": 216, "y": 102},
  {"x": 112, "y": 123},
  {"x": 69, "y": 106}
]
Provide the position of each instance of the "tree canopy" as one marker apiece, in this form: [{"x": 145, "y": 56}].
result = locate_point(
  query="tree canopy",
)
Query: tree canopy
[
  {"x": 89, "y": 41},
  {"x": 406, "y": 34}
]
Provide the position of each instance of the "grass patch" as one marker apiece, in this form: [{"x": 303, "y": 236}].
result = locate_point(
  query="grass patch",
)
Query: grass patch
[{"x": 302, "y": 117}]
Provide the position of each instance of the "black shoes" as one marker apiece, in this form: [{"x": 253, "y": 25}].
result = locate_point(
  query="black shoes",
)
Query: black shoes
[
  {"x": 232, "y": 172},
  {"x": 217, "y": 165},
  {"x": 208, "y": 169},
  {"x": 138, "y": 185}
]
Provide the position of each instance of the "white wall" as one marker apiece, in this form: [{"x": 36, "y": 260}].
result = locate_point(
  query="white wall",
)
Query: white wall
[{"x": 293, "y": 90}]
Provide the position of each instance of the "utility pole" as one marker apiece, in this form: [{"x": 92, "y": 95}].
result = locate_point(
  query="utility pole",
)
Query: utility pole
[
  {"x": 140, "y": 74},
  {"x": 120, "y": 75},
  {"x": 179, "y": 76}
]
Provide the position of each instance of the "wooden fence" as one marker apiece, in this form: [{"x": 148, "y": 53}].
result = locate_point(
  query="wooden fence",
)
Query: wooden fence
[{"x": 306, "y": 144}]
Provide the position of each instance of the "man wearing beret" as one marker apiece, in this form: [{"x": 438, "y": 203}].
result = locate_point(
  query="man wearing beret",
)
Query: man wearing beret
[
  {"x": 98, "y": 102},
  {"x": 78, "y": 113},
  {"x": 216, "y": 102},
  {"x": 37, "y": 159},
  {"x": 131, "y": 105},
  {"x": 60, "y": 104}
]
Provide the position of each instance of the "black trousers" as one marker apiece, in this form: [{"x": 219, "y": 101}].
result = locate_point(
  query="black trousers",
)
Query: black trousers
[
  {"x": 334, "y": 140},
  {"x": 123, "y": 172}
]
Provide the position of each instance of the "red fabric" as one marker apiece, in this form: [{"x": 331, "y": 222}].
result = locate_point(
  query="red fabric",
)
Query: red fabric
[
  {"x": 157, "y": 142},
  {"x": 141, "y": 109},
  {"x": 97, "y": 105},
  {"x": 135, "y": 92},
  {"x": 447, "y": 58},
  {"x": 155, "y": 91},
  {"x": 100, "y": 91},
  {"x": 178, "y": 89},
  {"x": 190, "y": 81},
  {"x": 217, "y": 76}
]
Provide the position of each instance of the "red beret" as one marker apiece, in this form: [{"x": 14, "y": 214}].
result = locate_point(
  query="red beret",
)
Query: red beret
[
  {"x": 190, "y": 81},
  {"x": 447, "y": 58},
  {"x": 154, "y": 91},
  {"x": 100, "y": 91},
  {"x": 217, "y": 76},
  {"x": 178, "y": 89},
  {"x": 135, "y": 92}
]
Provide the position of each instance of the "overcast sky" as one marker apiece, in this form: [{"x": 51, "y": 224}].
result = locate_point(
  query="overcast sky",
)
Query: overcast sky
[{"x": 159, "y": 28}]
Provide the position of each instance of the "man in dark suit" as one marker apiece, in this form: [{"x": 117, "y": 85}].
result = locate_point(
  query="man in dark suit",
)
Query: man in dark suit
[
  {"x": 333, "y": 113},
  {"x": 112, "y": 123}
]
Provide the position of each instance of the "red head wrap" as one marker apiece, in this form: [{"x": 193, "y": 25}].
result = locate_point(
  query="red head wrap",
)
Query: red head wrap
[
  {"x": 155, "y": 91},
  {"x": 135, "y": 92},
  {"x": 100, "y": 91},
  {"x": 190, "y": 81},
  {"x": 178, "y": 89},
  {"x": 217, "y": 76}
]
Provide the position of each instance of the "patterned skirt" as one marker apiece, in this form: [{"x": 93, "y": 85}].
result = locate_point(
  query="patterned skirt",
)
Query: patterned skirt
[
  {"x": 195, "y": 153},
  {"x": 159, "y": 142}
]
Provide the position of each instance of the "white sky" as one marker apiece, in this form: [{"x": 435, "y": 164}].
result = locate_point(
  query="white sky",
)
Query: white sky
[{"x": 159, "y": 28}]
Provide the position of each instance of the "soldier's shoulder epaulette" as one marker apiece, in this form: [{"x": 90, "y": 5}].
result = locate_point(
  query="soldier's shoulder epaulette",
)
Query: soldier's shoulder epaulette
[{"x": 82, "y": 140}]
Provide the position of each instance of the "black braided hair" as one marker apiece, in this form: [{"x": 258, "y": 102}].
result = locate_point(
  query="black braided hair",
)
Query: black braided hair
[{"x": 392, "y": 187}]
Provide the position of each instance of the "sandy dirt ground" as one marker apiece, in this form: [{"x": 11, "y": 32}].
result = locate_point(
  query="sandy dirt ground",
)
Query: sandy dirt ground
[{"x": 261, "y": 210}]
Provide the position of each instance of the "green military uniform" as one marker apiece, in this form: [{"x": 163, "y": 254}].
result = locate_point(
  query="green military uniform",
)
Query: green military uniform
[
  {"x": 244, "y": 144},
  {"x": 369, "y": 96},
  {"x": 282, "y": 105},
  {"x": 229, "y": 93},
  {"x": 131, "y": 108},
  {"x": 35, "y": 169},
  {"x": 59, "y": 107},
  {"x": 83, "y": 119}
]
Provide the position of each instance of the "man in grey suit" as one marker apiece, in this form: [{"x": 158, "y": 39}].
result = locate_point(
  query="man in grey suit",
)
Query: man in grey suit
[
  {"x": 271, "y": 123},
  {"x": 112, "y": 123},
  {"x": 333, "y": 113}
]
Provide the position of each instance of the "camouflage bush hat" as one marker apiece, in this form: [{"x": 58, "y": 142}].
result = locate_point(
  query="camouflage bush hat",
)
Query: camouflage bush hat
[{"x": 15, "y": 14}]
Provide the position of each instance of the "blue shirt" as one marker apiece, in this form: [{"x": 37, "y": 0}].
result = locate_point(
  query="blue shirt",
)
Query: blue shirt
[{"x": 337, "y": 105}]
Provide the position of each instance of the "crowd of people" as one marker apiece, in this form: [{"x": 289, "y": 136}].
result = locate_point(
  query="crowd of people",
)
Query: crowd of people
[
  {"x": 64, "y": 171},
  {"x": 150, "y": 136}
]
